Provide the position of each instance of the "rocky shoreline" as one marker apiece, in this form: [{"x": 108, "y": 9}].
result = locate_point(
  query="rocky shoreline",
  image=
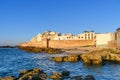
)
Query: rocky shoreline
[
  {"x": 93, "y": 57},
  {"x": 41, "y": 50},
  {"x": 38, "y": 74},
  {"x": 88, "y": 56}
]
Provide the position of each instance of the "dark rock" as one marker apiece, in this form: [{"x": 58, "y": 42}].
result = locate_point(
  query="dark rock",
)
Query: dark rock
[
  {"x": 65, "y": 74},
  {"x": 89, "y": 77},
  {"x": 33, "y": 74},
  {"x": 43, "y": 76},
  {"x": 76, "y": 78}
]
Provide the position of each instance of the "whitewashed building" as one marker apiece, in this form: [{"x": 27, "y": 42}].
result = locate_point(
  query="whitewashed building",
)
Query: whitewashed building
[
  {"x": 87, "y": 35},
  {"x": 103, "y": 39}
]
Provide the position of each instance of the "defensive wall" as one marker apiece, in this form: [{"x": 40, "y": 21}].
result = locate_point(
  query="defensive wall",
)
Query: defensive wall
[
  {"x": 59, "y": 43},
  {"x": 112, "y": 44}
]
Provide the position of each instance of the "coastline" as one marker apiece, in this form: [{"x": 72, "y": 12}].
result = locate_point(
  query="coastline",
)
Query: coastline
[{"x": 80, "y": 50}]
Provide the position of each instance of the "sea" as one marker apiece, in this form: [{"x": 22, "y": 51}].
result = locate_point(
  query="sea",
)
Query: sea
[{"x": 13, "y": 60}]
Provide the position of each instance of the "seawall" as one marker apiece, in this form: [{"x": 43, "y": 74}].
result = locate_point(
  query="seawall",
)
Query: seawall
[{"x": 59, "y": 43}]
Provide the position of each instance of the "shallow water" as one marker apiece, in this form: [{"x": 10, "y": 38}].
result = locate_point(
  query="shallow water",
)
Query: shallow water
[{"x": 13, "y": 60}]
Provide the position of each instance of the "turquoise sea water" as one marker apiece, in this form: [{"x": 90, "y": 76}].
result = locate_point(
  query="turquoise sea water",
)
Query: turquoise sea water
[{"x": 13, "y": 60}]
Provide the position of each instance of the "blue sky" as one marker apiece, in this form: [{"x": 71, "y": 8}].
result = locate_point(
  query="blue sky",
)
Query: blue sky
[{"x": 20, "y": 20}]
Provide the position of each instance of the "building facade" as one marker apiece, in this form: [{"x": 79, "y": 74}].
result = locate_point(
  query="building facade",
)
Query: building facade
[
  {"x": 117, "y": 37},
  {"x": 103, "y": 39},
  {"x": 100, "y": 40},
  {"x": 87, "y": 35}
]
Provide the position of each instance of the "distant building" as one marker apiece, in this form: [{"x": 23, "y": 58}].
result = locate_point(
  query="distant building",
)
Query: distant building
[
  {"x": 100, "y": 40},
  {"x": 117, "y": 37},
  {"x": 87, "y": 35},
  {"x": 103, "y": 39}
]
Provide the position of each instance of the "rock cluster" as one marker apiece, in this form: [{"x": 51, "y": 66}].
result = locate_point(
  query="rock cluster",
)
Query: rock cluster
[
  {"x": 98, "y": 57},
  {"x": 37, "y": 74},
  {"x": 40, "y": 50},
  {"x": 69, "y": 58},
  {"x": 87, "y": 77},
  {"x": 33, "y": 74},
  {"x": 94, "y": 57}
]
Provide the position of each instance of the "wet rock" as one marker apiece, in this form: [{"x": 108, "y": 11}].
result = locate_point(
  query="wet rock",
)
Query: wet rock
[
  {"x": 40, "y": 76},
  {"x": 71, "y": 58},
  {"x": 65, "y": 74},
  {"x": 118, "y": 58},
  {"x": 22, "y": 72},
  {"x": 34, "y": 74},
  {"x": 57, "y": 59},
  {"x": 89, "y": 77},
  {"x": 40, "y": 50},
  {"x": 76, "y": 78},
  {"x": 56, "y": 76},
  {"x": 43, "y": 76},
  {"x": 85, "y": 59},
  {"x": 97, "y": 60},
  {"x": 8, "y": 78},
  {"x": 97, "y": 57}
]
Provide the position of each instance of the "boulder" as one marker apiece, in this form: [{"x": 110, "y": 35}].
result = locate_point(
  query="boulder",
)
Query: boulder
[
  {"x": 76, "y": 78},
  {"x": 85, "y": 59},
  {"x": 56, "y": 76},
  {"x": 33, "y": 74},
  {"x": 97, "y": 59},
  {"x": 89, "y": 77},
  {"x": 65, "y": 74},
  {"x": 57, "y": 59},
  {"x": 71, "y": 58}
]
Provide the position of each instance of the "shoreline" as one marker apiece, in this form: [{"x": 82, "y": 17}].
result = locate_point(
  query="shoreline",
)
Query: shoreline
[{"x": 80, "y": 50}]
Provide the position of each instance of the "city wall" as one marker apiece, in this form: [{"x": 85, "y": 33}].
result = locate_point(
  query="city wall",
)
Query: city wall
[
  {"x": 59, "y": 43},
  {"x": 70, "y": 43},
  {"x": 112, "y": 44}
]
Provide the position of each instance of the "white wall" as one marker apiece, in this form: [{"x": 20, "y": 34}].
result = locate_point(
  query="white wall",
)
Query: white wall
[
  {"x": 118, "y": 38},
  {"x": 102, "y": 39},
  {"x": 39, "y": 37}
]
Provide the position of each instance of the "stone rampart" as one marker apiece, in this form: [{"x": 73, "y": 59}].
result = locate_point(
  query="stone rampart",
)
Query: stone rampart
[
  {"x": 59, "y": 43},
  {"x": 112, "y": 44},
  {"x": 70, "y": 43}
]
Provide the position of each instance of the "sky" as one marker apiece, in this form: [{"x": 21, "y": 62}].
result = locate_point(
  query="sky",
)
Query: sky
[{"x": 20, "y": 20}]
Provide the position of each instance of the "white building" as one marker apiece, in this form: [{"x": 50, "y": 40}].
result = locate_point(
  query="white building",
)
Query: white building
[
  {"x": 87, "y": 35},
  {"x": 79, "y": 37},
  {"x": 102, "y": 39}
]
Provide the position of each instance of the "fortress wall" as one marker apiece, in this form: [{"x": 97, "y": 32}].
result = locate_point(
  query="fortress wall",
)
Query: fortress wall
[
  {"x": 34, "y": 44},
  {"x": 69, "y": 43},
  {"x": 112, "y": 44},
  {"x": 59, "y": 43}
]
